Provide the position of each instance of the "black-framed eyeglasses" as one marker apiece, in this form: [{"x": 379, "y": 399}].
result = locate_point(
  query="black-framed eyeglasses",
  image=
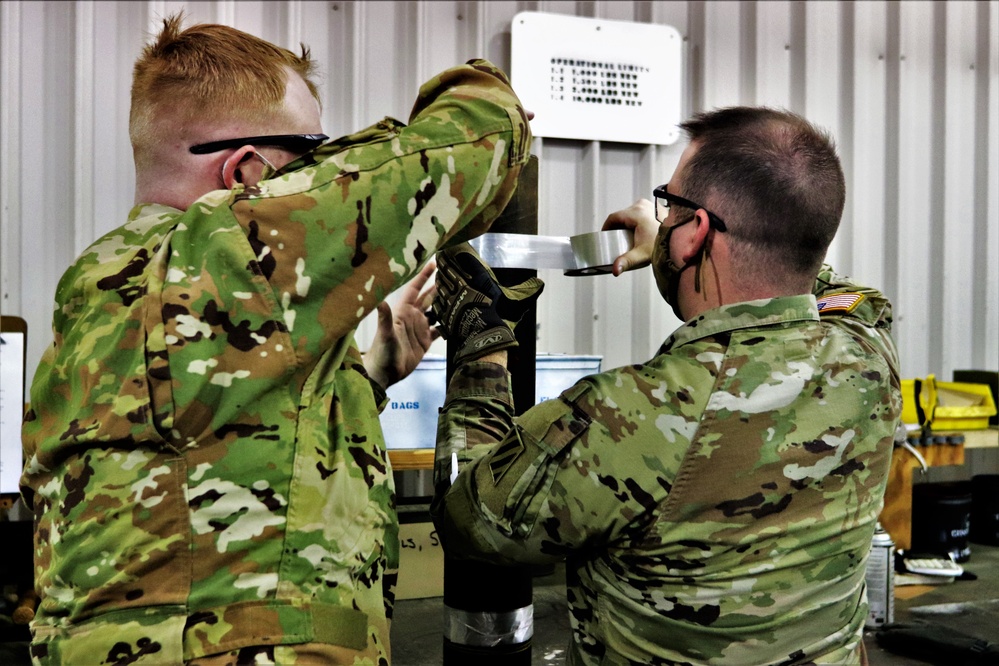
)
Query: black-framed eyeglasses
[
  {"x": 294, "y": 143},
  {"x": 665, "y": 198}
]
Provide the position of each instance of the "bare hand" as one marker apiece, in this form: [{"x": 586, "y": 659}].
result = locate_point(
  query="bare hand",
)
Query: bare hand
[
  {"x": 640, "y": 216},
  {"x": 403, "y": 334}
]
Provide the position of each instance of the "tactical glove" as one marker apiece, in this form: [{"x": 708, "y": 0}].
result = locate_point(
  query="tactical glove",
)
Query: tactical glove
[{"x": 476, "y": 312}]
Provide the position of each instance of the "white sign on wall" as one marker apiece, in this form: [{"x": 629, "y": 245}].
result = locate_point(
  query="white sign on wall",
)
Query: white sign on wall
[{"x": 596, "y": 79}]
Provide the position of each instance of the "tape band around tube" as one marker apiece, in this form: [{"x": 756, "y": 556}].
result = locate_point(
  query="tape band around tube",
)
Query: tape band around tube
[{"x": 481, "y": 629}]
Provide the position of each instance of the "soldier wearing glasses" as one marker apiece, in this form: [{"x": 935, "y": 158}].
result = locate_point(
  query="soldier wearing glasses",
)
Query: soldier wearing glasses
[
  {"x": 205, "y": 463},
  {"x": 714, "y": 504}
]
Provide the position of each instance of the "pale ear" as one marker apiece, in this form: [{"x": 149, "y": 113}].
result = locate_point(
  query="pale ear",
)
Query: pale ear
[
  {"x": 240, "y": 167},
  {"x": 698, "y": 238}
]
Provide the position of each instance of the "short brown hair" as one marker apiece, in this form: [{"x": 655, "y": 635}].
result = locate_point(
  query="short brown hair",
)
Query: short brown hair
[
  {"x": 776, "y": 181},
  {"x": 208, "y": 71}
]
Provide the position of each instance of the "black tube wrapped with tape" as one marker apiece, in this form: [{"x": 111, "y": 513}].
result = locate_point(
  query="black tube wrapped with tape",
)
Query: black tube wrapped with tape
[
  {"x": 488, "y": 613},
  {"x": 489, "y": 610}
]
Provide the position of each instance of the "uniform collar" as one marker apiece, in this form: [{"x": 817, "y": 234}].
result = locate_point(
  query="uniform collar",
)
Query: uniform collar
[
  {"x": 152, "y": 209},
  {"x": 748, "y": 314}
]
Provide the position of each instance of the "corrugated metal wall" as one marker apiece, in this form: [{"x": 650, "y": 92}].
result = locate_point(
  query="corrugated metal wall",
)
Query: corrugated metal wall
[{"x": 910, "y": 90}]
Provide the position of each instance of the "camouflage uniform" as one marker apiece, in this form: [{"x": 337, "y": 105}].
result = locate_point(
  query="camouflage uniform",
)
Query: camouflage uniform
[
  {"x": 715, "y": 505},
  {"x": 205, "y": 460}
]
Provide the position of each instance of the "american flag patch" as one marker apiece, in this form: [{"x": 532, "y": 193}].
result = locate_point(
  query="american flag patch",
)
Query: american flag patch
[{"x": 839, "y": 303}]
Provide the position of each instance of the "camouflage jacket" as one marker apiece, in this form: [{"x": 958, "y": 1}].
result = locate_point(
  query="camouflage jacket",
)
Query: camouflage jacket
[
  {"x": 714, "y": 505},
  {"x": 204, "y": 457}
]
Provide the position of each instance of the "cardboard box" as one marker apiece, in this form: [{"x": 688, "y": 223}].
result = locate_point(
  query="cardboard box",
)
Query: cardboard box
[{"x": 421, "y": 562}]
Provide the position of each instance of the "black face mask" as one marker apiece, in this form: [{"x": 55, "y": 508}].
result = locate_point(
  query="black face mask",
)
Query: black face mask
[{"x": 668, "y": 273}]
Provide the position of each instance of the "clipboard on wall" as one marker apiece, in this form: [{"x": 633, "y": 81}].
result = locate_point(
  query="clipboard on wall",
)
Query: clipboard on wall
[{"x": 13, "y": 349}]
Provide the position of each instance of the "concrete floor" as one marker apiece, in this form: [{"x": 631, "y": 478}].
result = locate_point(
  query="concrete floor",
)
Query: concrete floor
[{"x": 971, "y": 607}]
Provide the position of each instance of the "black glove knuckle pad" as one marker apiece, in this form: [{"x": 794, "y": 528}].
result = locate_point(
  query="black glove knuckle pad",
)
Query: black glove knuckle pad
[{"x": 475, "y": 311}]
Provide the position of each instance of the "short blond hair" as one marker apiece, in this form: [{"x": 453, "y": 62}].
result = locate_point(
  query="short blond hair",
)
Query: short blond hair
[{"x": 208, "y": 71}]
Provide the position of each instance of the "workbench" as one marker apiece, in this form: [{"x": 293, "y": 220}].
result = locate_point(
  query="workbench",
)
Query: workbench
[{"x": 896, "y": 516}]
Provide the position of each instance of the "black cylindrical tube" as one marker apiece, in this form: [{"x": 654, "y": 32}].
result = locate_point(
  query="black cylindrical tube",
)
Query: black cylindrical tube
[
  {"x": 489, "y": 613},
  {"x": 489, "y": 610}
]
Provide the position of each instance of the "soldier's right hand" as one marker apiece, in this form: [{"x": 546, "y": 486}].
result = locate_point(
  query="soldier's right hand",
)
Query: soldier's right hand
[
  {"x": 476, "y": 312},
  {"x": 640, "y": 216}
]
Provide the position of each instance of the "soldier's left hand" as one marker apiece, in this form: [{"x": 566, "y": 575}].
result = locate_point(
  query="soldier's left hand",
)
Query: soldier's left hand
[{"x": 404, "y": 334}]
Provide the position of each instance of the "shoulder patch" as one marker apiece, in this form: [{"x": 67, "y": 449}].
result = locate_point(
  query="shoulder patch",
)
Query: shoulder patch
[
  {"x": 839, "y": 303},
  {"x": 504, "y": 455}
]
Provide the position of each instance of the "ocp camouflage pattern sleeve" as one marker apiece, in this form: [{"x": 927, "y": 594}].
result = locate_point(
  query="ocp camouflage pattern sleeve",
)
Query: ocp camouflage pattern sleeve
[
  {"x": 205, "y": 460},
  {"x": 715, "y": 505}
]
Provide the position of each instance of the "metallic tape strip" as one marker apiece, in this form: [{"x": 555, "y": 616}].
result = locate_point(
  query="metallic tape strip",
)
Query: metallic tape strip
[
  {"x": 524, "y": 251},
  {"x": 584, "y": 254}
]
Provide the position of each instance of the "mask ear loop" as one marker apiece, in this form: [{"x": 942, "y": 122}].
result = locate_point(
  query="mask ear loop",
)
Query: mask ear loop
[{"x": 705, "y": 253}]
